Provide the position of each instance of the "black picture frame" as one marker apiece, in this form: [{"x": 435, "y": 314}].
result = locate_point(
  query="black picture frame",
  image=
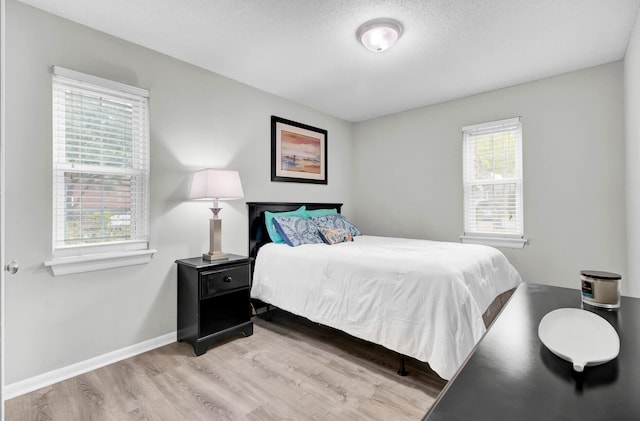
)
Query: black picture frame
[{"x": 298, "y": 152}]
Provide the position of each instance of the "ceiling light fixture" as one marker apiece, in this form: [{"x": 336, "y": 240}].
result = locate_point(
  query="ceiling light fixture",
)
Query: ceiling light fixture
[{"x": 379, "y": 34}]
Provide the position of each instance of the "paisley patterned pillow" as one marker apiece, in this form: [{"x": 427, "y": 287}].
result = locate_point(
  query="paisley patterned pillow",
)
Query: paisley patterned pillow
[
  {"x": 297, "y": 231},
  {"x": 335, "y": 236},
  {"x": 337, "y": 221}
]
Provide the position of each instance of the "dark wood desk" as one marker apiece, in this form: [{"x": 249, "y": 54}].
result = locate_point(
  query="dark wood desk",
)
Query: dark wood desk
[{"x": 512, "y": 376}]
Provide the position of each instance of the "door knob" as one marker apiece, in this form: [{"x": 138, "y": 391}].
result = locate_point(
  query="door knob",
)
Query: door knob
[{"x": 12, "y": 267}]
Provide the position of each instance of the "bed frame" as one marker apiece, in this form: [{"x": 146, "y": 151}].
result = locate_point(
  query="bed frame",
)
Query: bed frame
[{"x": 258, "y": 237}]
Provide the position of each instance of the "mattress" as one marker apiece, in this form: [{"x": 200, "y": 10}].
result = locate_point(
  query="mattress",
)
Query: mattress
[{"x": 424, "y": 299}]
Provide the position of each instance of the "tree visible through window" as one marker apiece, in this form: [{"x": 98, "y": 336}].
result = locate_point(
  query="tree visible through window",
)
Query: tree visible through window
[{"x": 492, "y": 162}]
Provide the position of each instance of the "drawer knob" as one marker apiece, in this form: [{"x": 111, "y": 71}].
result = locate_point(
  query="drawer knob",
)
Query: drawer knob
[{"x": 227, "y": 279}]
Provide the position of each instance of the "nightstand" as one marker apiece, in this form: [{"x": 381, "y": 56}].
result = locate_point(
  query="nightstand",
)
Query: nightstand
[{"x": 213, "y": 300}]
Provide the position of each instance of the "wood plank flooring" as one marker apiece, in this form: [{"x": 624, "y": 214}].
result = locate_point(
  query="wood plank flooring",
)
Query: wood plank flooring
[{"x": 290, "y": 368}]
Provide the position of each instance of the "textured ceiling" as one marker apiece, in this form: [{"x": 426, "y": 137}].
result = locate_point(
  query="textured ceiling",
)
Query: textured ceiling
[{"x": 306, "y": 50}]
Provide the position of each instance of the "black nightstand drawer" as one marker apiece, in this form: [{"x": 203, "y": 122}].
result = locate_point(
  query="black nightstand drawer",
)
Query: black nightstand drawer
[{"x": 215, "y": 282}]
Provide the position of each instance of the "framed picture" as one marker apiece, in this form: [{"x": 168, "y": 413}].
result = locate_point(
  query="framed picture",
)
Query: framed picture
[{"x": 298, "y": 152}]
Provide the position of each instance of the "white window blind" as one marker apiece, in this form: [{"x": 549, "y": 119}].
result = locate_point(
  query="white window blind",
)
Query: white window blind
[
  {"x": 492, "y": 176},
  {"x": 100, "y": 165}
]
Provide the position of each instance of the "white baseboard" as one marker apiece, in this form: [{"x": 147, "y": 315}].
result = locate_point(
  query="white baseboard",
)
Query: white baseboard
[{"x": 42, "y": 380}]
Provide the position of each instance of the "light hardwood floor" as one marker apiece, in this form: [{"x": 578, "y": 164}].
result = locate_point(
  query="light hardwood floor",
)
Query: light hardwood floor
[{"x": 289, "y": 369}]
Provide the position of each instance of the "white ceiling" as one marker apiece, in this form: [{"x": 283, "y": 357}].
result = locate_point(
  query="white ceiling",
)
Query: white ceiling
[{"x": 306, "y": 50}]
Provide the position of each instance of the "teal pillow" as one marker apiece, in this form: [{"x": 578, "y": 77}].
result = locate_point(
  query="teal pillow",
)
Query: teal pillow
[
  {"x": 321, "y": 212},
  {"x": 271, "y": 228}
]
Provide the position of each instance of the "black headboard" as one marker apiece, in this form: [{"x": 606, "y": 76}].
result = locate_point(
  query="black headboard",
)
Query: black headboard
[{"x": 258, "y": 235}]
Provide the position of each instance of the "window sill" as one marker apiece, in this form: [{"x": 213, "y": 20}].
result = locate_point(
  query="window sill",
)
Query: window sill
[
  {"x": 509, "y": 242},
  {"x": 92, "y": 262}
]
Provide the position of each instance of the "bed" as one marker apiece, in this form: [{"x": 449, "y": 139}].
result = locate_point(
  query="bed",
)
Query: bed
[{"x": 425, "y": 299}]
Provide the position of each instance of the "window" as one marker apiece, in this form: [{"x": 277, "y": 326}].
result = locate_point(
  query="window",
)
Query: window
[
  {"x": 100, "y": 173},
  {"x": 492, "y": 177}
]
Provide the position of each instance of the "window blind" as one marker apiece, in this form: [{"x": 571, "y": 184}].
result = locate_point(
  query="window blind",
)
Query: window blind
[
  {"x": 492, "y": 176},
  {"x": 100, "y": 163}
]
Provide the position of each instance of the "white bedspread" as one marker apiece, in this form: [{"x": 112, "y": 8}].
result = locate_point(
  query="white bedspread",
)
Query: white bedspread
[{"x": 421, "y": 298}]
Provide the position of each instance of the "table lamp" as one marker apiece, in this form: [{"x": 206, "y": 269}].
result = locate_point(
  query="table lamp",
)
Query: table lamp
[{"x": 212, "y": 184}]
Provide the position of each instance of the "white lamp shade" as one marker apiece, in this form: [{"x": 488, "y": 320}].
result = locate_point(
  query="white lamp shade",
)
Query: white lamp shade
[{"x": 212, "y": 184}]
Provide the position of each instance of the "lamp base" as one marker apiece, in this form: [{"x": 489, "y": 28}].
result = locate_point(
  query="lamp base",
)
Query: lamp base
[
  {"x": 215, "y": 256},
  {"x": 215, "y": 239}
]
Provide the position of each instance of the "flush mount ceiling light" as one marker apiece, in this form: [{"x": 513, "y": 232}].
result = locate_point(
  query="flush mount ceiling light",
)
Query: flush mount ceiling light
[{"x": 379, "y": 34}]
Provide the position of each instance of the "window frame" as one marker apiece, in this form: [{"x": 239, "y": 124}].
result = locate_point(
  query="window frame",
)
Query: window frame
[
  {"x": 503, "y": 239},
  {"x": 87, "y": 256}
]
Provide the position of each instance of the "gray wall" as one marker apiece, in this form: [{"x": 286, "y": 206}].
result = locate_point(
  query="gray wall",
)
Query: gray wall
[
  {"x": 632, "y": 136},
  {"x": 198, "y": 120},
  {"x": 398, "y": 175},
  {"x": 408, "y": 173}
]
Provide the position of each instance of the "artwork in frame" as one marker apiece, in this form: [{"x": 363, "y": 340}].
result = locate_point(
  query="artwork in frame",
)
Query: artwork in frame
[{"x": 298, "y": 152}]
